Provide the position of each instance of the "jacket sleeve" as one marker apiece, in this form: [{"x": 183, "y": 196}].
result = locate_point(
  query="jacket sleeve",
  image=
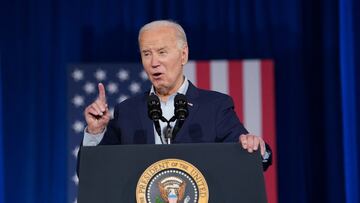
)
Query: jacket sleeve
[
  {"x": 229, "y": 127},
  {"x": 113, "y": 130}
]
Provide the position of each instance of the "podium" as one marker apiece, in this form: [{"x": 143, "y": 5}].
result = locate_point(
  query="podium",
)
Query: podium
[{"x": 215, "y": 173}]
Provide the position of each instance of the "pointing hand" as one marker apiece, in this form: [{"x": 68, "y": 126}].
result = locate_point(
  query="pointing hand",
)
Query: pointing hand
[{"x": 97, "y": 114}]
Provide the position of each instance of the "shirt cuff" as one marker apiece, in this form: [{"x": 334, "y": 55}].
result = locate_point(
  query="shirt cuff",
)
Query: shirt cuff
[
  {"x": 267, "y": 155},
  {"x": 92, "y": 139}
]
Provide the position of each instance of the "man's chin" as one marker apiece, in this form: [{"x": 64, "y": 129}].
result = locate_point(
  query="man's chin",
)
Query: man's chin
[{"x": 162, "y": 90}]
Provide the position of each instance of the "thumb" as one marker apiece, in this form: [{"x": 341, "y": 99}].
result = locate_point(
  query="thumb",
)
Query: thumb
[{"x": 102, "y": 95}]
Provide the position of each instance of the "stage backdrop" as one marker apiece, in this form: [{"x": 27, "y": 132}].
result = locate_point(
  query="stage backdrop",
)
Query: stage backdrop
[{"x": 249, "y": 82}]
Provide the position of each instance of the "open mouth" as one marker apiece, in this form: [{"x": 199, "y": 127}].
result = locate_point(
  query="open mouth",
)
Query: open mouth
[{"x": 157, "y": 75}]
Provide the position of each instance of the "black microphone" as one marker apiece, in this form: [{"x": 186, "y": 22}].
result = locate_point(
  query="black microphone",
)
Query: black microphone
[
  {"x": 154, "y": 109},
  {"x": 180, "y": 112},
  {"x": 181, "y": 107},
  {"x": 154, "y": 112}
]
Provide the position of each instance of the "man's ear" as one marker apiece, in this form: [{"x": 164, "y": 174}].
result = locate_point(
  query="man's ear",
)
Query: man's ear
[{"x": 184, "y": 54}]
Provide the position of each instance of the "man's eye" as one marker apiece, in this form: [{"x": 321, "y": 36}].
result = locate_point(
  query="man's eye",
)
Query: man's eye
[{"x": 162, "y": 52}]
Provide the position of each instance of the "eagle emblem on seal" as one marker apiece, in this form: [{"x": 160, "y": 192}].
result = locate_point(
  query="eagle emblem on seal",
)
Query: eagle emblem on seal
[{"x": 172, "y": 190}]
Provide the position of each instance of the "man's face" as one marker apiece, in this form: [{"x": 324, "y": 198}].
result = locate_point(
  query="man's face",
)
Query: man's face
[{"x": 163, "y": 59}]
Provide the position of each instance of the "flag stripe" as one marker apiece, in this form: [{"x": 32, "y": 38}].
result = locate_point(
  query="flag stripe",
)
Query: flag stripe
[
  {"x": 219, "y": 76},
  {"x": 268, "y": 108},
  {"x": 236, "y": 86},
  {"x": 203, "y": 74},
  {"x": 190, "y": 71},
  {"x": 252, "y": 97}
]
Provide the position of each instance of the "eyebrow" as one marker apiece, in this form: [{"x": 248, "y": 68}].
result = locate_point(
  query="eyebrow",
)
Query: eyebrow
[
  {"x": 158, "y": 49},
  {"x": 161, "y": 48},
  {"x": 145, "y": 50}
]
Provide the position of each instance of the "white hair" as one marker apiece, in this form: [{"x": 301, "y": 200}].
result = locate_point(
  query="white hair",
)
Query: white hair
[{"x": 180, "y": 33}]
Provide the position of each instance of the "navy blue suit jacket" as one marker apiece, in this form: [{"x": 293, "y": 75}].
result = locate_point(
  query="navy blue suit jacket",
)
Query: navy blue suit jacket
[{"x": 211, "y": 119}]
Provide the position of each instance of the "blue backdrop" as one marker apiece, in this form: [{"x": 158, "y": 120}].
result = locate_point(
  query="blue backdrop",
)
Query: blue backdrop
[{"x": 315, "y": 46}]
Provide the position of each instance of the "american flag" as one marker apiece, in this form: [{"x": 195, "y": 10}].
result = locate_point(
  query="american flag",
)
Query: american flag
[{"x": 249, "y": 82}]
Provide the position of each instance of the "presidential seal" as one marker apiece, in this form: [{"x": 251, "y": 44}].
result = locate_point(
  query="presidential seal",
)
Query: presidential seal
[{"x": 172, "y": 181}]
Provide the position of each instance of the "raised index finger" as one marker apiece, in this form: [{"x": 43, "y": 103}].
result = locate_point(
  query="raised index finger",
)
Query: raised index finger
[{"x": 102, "y": 96}]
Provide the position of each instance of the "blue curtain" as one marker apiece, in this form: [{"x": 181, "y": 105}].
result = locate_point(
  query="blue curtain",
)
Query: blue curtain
[
  {"x": 350, "y": 92},
  {"x": 2, "y": 199},
  {"x": 317, "y": 95}
]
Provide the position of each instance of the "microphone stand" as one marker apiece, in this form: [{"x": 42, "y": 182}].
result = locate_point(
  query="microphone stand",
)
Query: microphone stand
[
  {"x": 168, "y": 133},
  {"x": 169, "y": 129}
]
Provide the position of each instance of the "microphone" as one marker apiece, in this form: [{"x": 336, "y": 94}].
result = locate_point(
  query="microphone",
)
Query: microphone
[
  {"x": 180, "y": 112},
  {"x": 181, "y": 107},
  {"x": 154, "y": 112},
  {"x": 154, "y": 109}
]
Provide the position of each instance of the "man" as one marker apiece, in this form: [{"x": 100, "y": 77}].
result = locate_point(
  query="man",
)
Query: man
[{"x": 164, "y": 52}]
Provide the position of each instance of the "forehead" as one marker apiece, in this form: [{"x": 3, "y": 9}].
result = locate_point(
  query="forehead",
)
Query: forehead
[{"x": 158, "y": 37}]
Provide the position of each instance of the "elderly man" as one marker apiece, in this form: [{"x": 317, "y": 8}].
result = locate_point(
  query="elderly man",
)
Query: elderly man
[{"x": 164, "y": 52}]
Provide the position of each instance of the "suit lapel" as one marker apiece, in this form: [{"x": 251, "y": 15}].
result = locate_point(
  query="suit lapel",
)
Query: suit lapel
[{"x": 193, "y": 105}]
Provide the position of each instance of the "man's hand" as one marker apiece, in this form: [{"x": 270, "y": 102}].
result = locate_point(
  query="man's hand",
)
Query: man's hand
[
  {"x": 252, "y": 143},
  {"x": 97, "y": 114}
]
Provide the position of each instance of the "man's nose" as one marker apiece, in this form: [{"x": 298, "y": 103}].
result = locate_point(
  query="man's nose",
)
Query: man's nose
[{"x": 154, "y": 61}]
